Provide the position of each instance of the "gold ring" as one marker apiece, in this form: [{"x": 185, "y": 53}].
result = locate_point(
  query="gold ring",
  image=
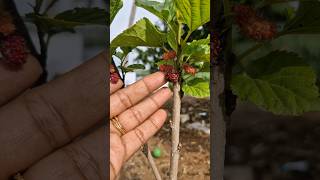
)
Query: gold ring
[{"x": 118, "y": 126}]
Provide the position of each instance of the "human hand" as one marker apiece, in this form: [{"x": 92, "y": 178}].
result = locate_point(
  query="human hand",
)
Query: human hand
[
  {"x": 137, "y": 108},
  {"x": 40, "y": 127}
]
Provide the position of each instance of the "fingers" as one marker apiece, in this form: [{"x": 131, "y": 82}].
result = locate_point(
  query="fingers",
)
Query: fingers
[
  {"x": 117, "y": 154},
  {"x": 50, "y": 116},
  {"x": 127, "y": 97},
  {"x": 134, "y": 139},
  {"x": 15, "y": 82},
  {"x": 137, "y": 114},
  {"x": 81, "y": 160}
]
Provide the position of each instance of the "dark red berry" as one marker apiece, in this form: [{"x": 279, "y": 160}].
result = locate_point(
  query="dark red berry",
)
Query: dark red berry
[
  {"x": 189, "y": 69},
  {"x": 114, "y": 78},
  {"x": 166, "y": 68},
  {"x": 14, "y": 51},
  {"x": 6, "y": 26},
  {"x": 252, "y": 25},
  {"x": 169, "y": 55},
  {"x": 172, "y": 77}
]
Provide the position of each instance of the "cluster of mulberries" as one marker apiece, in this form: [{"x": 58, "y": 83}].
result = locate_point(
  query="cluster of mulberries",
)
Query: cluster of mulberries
[
  {"x": 13, "y": 50},
  {"x": 13, "y": 47},
  {"x": 253, "y": 25},
  {"x": 172, "y": 74},
  {"x": 114, "y": 76}
]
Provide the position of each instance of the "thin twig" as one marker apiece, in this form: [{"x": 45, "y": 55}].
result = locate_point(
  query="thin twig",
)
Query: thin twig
[{"x": 147, "y": 153}]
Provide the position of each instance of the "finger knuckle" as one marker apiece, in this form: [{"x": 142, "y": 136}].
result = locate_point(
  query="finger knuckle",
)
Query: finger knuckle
[
  {"x": 137, "y": 115},
  {"x": 140, "y": 135},
  {"x": 124, "y": 99},
  {"x": 47, "y": 119},
  {"x": 86, "y": 164}
]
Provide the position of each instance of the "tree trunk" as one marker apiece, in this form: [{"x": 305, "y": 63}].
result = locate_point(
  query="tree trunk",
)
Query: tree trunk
[
  {"x": 221, "y": 70},
  {"x": 175, "y": 126}
]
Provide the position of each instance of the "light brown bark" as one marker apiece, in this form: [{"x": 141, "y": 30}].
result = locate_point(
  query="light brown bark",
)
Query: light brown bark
[{"x": 175, "y": 126}]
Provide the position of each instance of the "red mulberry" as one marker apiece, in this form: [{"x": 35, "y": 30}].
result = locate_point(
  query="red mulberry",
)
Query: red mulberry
[
  {"x": 171, "y": 73},
  {"x": 169, "y": 55},
  {"x": 166, "y": 68},
  {"x": 6, "y": 24},
  {"x": 253, "y": 25},
  {"x": 14, "y": 51},
  {"x": 172, "y": 77},
  {"x": 189, "y": 69},
  {"x": 114, "y": 76}
]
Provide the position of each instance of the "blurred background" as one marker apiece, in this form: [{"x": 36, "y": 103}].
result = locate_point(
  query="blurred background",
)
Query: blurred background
[
  {"x": 68, "y": 50},
  {"x": 262, "y": 146}
]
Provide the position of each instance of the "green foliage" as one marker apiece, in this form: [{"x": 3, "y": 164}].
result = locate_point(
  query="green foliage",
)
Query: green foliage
[
  {"x": 197, "y": 50},
  {"x": 194, "y": 13},
  {"x": 68, "y": 20},
  {"x": 197, "y": 87},
  {"x": 143, "y": 33},
  {"x": 306, "y": 20},
  {"x": 133, "y": 67},
  {"x": 279, "y": 82},
  {"x": 115, "y": 6},
  {"x": 164, "y": 11}
]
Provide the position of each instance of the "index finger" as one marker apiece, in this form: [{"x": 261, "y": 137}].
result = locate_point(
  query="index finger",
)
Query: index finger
[{"x": 127, "y": 97}]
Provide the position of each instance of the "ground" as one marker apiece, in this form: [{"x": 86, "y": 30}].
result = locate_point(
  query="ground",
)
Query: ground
[{"x": 260, "y": 146}]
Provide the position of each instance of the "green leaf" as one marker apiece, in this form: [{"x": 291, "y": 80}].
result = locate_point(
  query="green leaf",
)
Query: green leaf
[
  {"x": 133, "y": 67},
  {"x": 273, "y": 62},
  {"x": 68, "y": 20},
  {"x": 164, "y": 11},
  {"x": 167, "y": 62},
  {"x": 306, "y": 20},
  {"x": 195, "y": 13},
  {"x": 143, "y": 33},
  {"x": 198, "y": 50},
  {"x": 84, "y": 16},
  {"x": 284, "y": 88},
  {"x": 172, "y": 39},
  {"x": 197, "y": 88},
  {"x": 115, "y": 6}
]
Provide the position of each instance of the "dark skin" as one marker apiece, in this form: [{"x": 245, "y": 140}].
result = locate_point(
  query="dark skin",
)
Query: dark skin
[{"x": 55, "y": 131}]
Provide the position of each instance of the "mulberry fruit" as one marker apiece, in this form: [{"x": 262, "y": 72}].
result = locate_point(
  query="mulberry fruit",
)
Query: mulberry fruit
[
  {"x": 166, "y": 68},
  {"x": 172, "y": 77},
  {"x": 253, "y": 25},
  {"x": 6, "y": 24},
  {"x": 189, "y": 69},
  {"x": 114, "y": 76},
  {"x": 171, "y": 73},
  {"x": 169, "y": 55},
  {"x": 14, "y": 51}
]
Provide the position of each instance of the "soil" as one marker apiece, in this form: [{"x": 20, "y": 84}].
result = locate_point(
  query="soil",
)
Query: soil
[
  {"x": 260, "y": 146},
  {"x": 195, "y": 149}
]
